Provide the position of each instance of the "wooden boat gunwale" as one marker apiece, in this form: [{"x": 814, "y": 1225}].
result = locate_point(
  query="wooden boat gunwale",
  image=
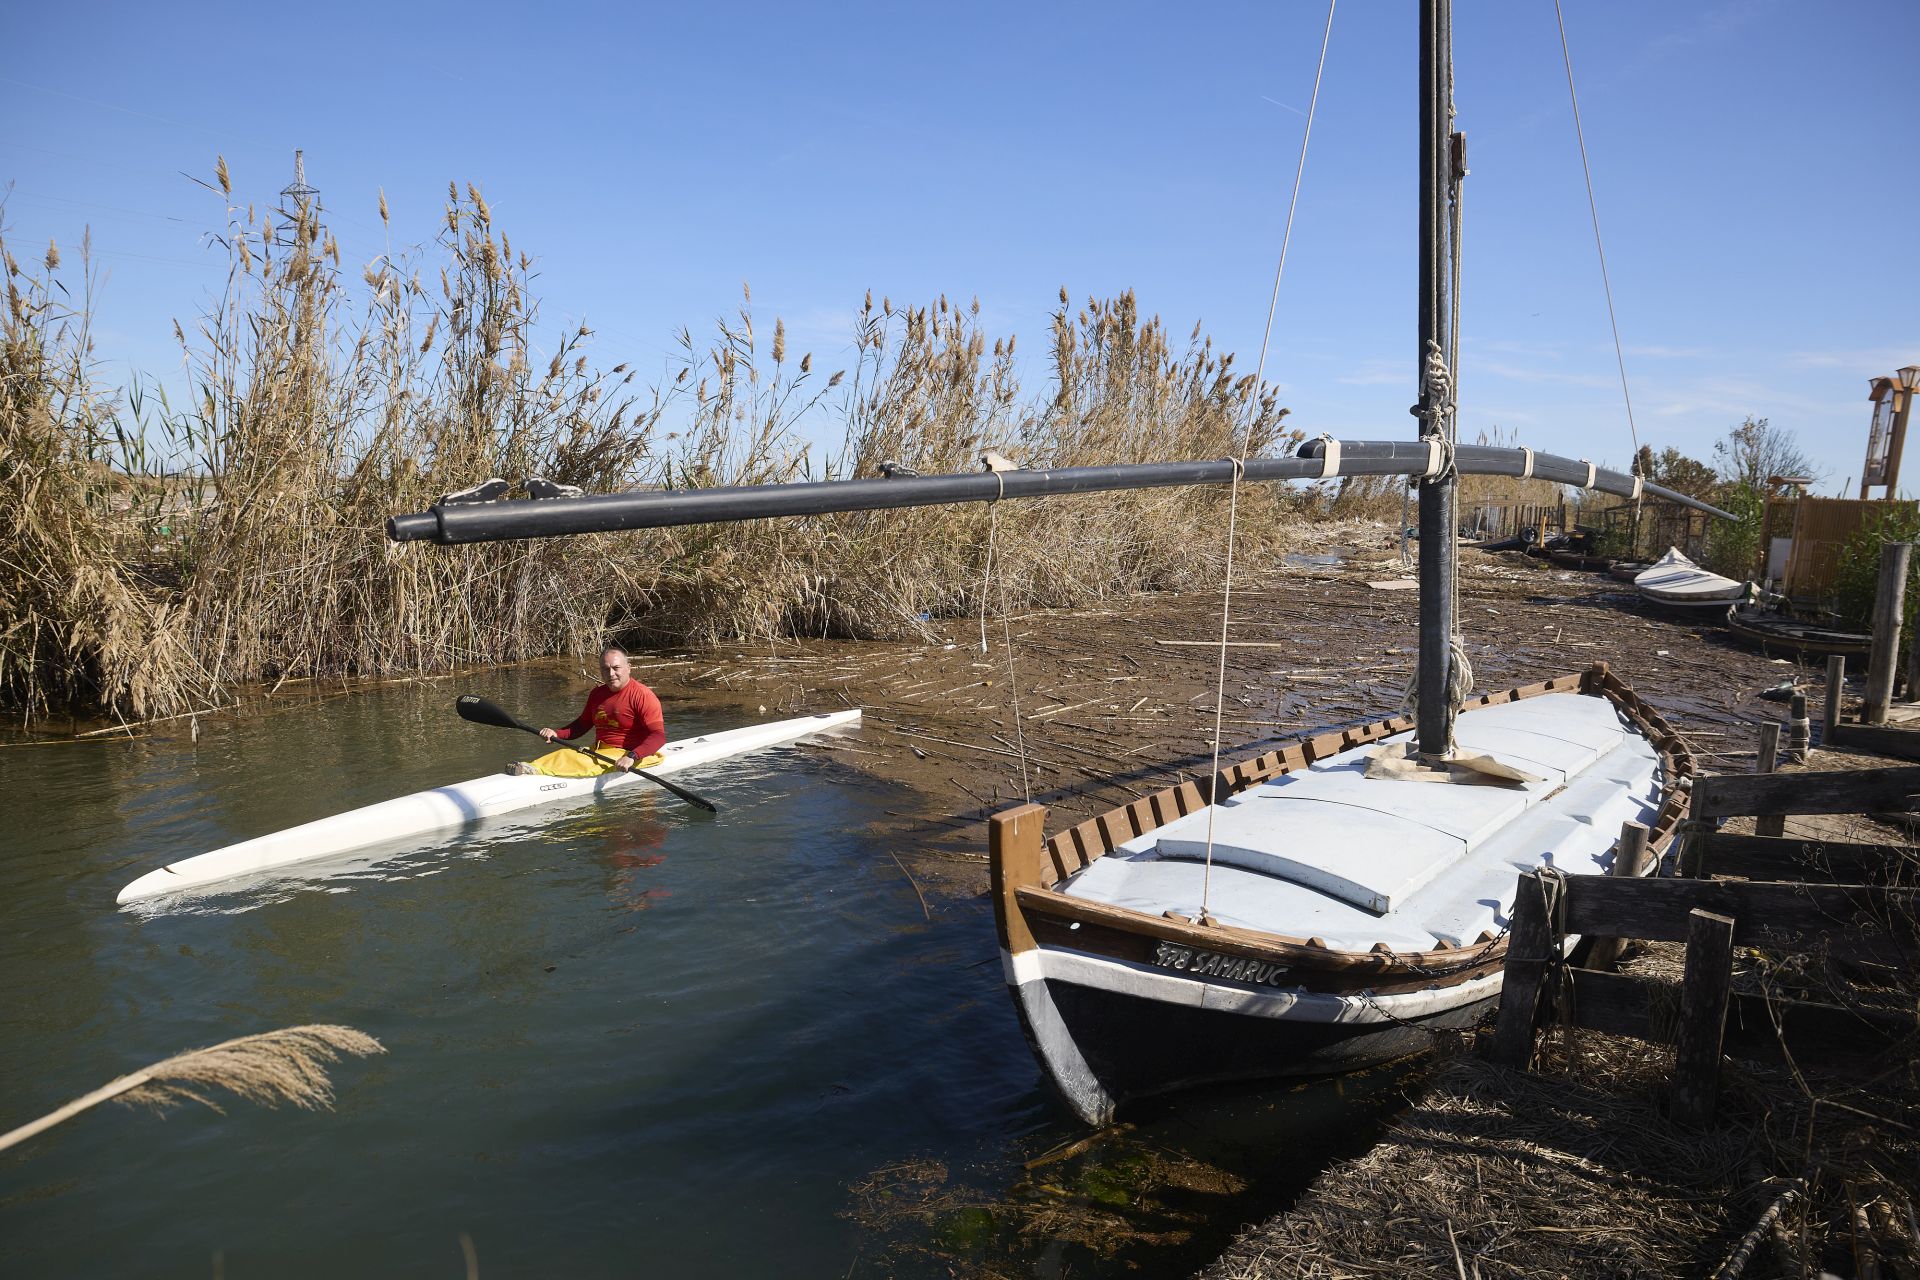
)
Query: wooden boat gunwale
[
  {"x": 1580, "y": 560},
  {"x": 1851, "y": 644},
  {"x": 1025, "y": 868}
]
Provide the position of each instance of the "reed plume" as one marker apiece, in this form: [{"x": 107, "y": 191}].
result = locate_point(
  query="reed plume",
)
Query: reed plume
[
  {"x": 274, "y": 1067},
  {"x": 162, "y": 555}
]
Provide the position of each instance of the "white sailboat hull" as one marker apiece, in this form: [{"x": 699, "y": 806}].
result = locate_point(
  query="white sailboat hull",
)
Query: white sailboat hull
[
  {"x": 1315, "y": 920},
  {"x": 446, "y": 808}
]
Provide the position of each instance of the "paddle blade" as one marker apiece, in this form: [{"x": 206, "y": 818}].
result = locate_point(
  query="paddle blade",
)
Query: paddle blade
[
  {"x": 480, "y": 711},
  {"x": 697, "y": 801}
]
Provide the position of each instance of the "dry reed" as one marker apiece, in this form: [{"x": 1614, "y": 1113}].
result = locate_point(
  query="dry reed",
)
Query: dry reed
[
  {"x": 1573, "y": 1169},
  {"x": 273, "y": 1067},
  {"x": 158, "y": 555}
]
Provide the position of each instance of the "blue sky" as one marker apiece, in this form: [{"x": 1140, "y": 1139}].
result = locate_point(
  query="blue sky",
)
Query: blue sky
[{"x": 1753, "y": 161}]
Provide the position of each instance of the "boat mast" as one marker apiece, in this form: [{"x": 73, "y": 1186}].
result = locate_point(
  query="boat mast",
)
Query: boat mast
[{"x": 1434, "y": 709}]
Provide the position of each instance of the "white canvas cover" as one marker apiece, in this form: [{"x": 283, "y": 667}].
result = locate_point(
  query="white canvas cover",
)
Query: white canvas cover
[
  {"x": 1674, "y": 579},
  {"x": 1326, "y": 852}
]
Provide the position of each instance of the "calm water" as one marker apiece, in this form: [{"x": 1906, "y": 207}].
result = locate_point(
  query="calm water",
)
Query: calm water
[{"x": 635, "y": 1040}]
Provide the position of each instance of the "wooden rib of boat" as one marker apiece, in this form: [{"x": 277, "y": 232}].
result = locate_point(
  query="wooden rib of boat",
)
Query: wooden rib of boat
[
  {"x": 1339, "y": 920},
  {"x": 426, "y": 813},
  {"x": 1677, "y": 582},
  {"x": 1774, "y": 632}
]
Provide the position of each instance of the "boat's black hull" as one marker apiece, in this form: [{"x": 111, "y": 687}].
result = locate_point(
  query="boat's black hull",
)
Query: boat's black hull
[
  {"x": 1135, "y": 1047},
  {"x": 1776, "y": 633}
]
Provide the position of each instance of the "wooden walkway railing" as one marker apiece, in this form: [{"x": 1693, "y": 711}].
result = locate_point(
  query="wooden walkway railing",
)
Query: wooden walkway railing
[{"x": 1807, "y": 894}]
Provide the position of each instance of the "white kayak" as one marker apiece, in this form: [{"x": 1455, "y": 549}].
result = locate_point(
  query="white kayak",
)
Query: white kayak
[
  {"x": 1675, "y": 580},
  {"x": 444, "y": 808}
]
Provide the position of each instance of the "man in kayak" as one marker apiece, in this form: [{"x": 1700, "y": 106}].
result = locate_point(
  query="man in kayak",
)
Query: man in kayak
[{"x": 626, "y": 719}]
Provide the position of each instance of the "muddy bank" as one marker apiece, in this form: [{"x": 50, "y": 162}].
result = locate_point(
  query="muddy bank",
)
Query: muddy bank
[{"x": 1117, "y": 702}]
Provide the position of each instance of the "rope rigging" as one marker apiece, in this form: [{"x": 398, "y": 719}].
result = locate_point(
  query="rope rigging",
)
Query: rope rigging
[
  {"x": 1606, "y": 285},
  {"x": 1240, "y": 459},
  {"x": 1006, "y": 633}
]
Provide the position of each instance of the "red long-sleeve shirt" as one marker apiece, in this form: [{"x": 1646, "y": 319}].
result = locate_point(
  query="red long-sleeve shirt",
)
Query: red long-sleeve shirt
[{"x": 630, "y": 719}]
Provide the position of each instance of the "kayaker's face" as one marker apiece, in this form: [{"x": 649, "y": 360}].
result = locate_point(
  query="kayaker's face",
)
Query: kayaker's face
[{"x": 615, "y": 670}]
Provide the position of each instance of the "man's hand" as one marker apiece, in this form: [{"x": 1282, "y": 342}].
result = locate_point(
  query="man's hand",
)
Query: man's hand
[
  {"x": 626, "y": 762},
  {"x": 550, "y": 735}
]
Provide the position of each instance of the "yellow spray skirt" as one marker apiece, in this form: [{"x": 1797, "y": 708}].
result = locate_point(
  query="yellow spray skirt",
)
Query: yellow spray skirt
[{"x": 568, "y": 763}]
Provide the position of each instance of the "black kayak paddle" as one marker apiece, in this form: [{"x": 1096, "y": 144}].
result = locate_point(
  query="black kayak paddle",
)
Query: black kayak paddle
[{"x": 480, "y": 711}]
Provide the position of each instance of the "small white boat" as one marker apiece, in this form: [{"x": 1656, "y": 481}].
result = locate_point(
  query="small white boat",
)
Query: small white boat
[
  {"x": 1676, "y": 581},
  {"x": 444, "y": 808}
]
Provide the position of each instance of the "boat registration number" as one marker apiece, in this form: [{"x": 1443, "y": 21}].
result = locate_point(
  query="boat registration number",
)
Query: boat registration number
[{"x": 1213, "y": 964}]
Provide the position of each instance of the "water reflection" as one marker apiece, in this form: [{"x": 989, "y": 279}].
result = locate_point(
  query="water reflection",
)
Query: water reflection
[
  {"x": 630, "y": 851},
  {"x": 737, "y": 1088}
]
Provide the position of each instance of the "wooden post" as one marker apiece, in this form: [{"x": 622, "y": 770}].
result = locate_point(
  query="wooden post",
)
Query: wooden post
[
  {"x": 1704, "y": 988},
  {"x": 1628, "y": 857},
  {"x": 1913, "y": 667},
  {"x": 1015, "y": 852},
  {"x": 1531, "y": 947},
  {"x": 1799, "y": 732},
  {"x": 1836, "y": 694},
  {"x": 1889, "y": 602},
  {"x": 1772, "y": 824},
  {"x": 1694, "y": 828}
]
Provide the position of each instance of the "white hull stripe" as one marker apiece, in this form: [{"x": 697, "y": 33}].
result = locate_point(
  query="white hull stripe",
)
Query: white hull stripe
[
  {"x": 1031, "y": 968},
  {"x": 1058, "y": 1052}
]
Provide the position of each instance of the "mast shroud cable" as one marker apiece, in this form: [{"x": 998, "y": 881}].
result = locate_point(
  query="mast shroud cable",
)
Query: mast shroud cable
[
  {"x": 1240, "y": 461},
  {"x": 1593, "y": 209}
]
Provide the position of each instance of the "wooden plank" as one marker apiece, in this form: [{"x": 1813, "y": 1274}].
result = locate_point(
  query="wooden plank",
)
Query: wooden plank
[
  {"x": 1810, "y": 1030},
  {"x": 1616, "y": 1004},
  {"x": 1187, "y": 796},
  {"x": 1704, "y": 988},
  {"x": 1232, "y": 644},
  {"x": 1531, "y": 949},
  {"x": 1014, "y": 859},
  {"x": 1323, "y": 745},
  {"x": 1629, "y": 855},
  {"x": 1814, "y": 861},
  {"x": 1163, "y": 806},
  {"x": 1416, "y": 967},
  {"x": 1657, "y": 910},
  {"x": 1767, "y": 761},
  {"x": 1087, "y": 842},
  {"x": 1877, "y": 740},
  {"x": 1839, "y": 791}
]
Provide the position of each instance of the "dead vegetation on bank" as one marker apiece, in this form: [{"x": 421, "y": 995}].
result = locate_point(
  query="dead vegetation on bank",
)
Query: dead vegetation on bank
[
  {"x": 1574, "y": 1170},
  {"x": 156, "y": 554}
]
